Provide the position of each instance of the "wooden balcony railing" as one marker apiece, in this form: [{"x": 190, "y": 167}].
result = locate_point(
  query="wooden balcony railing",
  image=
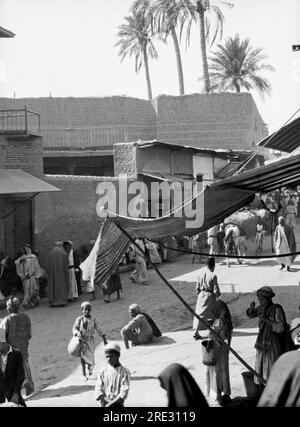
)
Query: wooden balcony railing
[{"x": 19, "y": 121}]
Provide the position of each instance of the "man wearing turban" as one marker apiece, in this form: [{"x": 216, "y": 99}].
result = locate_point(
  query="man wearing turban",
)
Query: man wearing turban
[{"x": 272, "y": 325}]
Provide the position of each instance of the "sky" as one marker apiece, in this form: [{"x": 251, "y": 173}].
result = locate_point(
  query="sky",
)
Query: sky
[{"x": 67, "y": 48}]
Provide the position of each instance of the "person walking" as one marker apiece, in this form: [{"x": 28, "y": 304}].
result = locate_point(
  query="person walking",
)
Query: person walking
[
  {"x": 284, "y": 243},
  {"x": 139, "y": 274},
  {"x": 272, "y": 325},
  {"x": 111, "y": 285},
  {"x": 113, "y": 380},
  {"x": 73, "y": 291},
  {"x": 84, "y": 328},
  {"x": 208, "y": 291},
  {"x": 58, "y": 276},
  {"x": 11, "y": 372},
  {"x": 18, "y": 333},
  {"x": 212, "y": 240}
]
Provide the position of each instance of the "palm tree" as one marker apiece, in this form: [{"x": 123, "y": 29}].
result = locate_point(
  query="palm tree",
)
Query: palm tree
[
  {"x": 211, "y": 19},
  {"x": 236, "y": 65},
  {"x": 135, "y": 39},
  {"x": 167, "y": 14}
]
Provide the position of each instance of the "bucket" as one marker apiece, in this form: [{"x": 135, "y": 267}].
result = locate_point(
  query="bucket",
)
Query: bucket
[
  {"x": 210, "y": 352},
  {"x": 252, "y": 389}
]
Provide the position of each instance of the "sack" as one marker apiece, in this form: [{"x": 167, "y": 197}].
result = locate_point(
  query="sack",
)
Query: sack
[
  {"x": 210, "y": 352},
  {"x": 74, "y": 347},
  {"x": 154, "y": 327}
]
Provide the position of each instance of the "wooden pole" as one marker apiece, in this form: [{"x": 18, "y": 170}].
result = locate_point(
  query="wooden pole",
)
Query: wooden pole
[{"x": 191, "y": 310}]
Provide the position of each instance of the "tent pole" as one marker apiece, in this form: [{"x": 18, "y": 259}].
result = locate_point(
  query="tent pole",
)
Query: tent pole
[{"x": 191, "y": 310}]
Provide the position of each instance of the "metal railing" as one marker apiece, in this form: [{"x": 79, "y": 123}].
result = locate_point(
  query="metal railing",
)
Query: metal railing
[{"x": 19, "y": 121}]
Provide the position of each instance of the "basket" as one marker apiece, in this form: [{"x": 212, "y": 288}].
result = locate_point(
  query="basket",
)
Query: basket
[
  {"x": 210, "y": 352},
  {"x": 252, "y": 389},
  {"x": 74, "y": 347}
]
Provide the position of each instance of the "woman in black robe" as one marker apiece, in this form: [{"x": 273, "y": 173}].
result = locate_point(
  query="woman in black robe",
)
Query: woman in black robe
[{"x": 182, "y": 389}]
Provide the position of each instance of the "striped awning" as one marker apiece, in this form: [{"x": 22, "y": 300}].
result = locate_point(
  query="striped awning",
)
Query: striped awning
[
  {"x": 267, "y": 178},
  {"x": 286, "y": 139}
]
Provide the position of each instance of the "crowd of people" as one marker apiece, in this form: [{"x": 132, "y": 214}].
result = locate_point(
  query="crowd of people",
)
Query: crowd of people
[{"x": 277, "y": 365}]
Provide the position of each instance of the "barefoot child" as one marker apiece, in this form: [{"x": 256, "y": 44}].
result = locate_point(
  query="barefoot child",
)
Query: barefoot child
[{"x": 85, "y": 327}]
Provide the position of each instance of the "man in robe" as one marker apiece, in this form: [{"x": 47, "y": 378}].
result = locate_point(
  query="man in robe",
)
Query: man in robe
[
  {"x": 138, "y": 330},
  {"x": 113, "y": 380},
  {"x": 272, "y": 325},
  {"x": 73, "y": 290},
  {"x": 284, "y": 243},
  {"x": 212, "y": 240},
  {"x": 58, "y": 286}
]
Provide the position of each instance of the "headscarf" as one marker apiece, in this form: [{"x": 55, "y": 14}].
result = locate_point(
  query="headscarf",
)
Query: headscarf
[
  {"x": 182, "y": 389},
  {"x": 266, "y": 292},
  {"x": 111, "y": 346},
  {"x": 283, "y": 385}
]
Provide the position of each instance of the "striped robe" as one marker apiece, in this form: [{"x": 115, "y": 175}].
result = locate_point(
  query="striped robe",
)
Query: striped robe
[{"x": 112, "y": 383}]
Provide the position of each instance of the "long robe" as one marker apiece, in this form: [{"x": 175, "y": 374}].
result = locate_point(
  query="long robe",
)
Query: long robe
[
  {"x": 18, "y": 332},
  {"x": 284, "y": 242},
  {"x": 283, "y": 386},
  {"x": 208, "y": 292},
  {"x": 269, "y": 343},
  {"x": 87, "y": 326},
  {"x": 73, "y": 292},
  {"x": 58, "y": 277}
]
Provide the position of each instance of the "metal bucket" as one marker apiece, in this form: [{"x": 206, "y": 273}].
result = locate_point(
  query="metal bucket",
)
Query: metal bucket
[
  {"x": 210, "y": 352},
  {"x": 252, "y": 389}
]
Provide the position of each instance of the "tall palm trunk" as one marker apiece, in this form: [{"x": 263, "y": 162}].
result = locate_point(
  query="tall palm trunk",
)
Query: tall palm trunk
[
  {"x": 203, "y": 51},
  {"x": 147, "y": 73},
  {"x": 178, "y": 61}
]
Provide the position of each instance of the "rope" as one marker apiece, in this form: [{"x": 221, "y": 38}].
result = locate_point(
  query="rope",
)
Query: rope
[
  {"x": 167, "y": 215},
  {"x": 192, "y": 311},
  {"x": 188, "y": 251}
]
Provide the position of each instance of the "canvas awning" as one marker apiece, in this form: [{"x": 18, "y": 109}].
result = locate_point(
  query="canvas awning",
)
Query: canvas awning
[
  {"x": 16, "y": 181},
  {"x": 287, "y": 139},
  {"x": 218, "y": 201},
  {"x": 267, "y": 178}
]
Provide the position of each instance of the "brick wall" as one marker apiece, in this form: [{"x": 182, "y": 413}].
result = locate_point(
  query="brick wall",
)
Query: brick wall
[
  {"x": 69, "y": 214},
  {"x": 229, "y": 121},
  {"x": 23, "y": 153},
  {"x": 224, "y": 120}
]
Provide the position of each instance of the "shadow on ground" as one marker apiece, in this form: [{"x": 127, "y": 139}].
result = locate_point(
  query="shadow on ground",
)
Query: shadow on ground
[{"x": 63, "y": 391}]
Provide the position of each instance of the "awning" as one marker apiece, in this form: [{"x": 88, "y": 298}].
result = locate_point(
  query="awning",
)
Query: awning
[
  {"x": 16, "y": 181},
  {"x": 287, "y": 139},
  {"x": 266, "y": 178},
  {"x": 6, "y": 33},
  {"x": 168, "y": 177},
  {"x": 218, "y": 201}
]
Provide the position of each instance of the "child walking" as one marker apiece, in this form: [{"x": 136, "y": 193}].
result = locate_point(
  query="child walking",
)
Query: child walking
[{"x": 84, "y": 328}]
